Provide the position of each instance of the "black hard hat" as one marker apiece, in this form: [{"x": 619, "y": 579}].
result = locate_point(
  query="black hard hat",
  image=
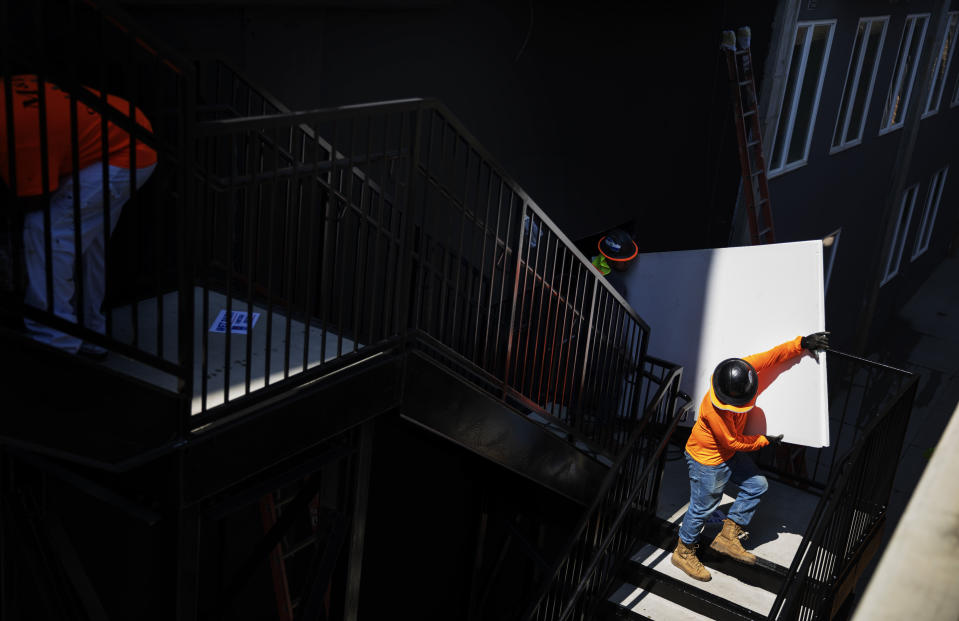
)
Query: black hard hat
[
  {"x": 735, "y": 382},
  {"x": 617, "y": 245}
]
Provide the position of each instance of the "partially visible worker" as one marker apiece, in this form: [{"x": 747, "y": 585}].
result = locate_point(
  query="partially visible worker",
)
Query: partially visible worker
[
  {"x": 91, "y": 193},
  {"x": 714, "y": 454},
  {"x": 617, "y": 252}
]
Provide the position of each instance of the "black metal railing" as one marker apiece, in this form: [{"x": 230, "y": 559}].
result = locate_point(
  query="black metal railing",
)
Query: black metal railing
[
  {"x": 360, "y": 226},
  {"x": 858, "y": 389},
  {"x": 852, "y": 505},
  {"x": 109, "y": 100},
  {"x": 271, "y": 247},
  {"x": 223, "y": 92},
  {"x": 609, "y": 531}
]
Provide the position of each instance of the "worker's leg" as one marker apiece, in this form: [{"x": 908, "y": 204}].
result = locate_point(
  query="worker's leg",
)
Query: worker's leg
[
  {"x": 63, "y": 261},
  {"x": 94, "y": 243},
  {"x": 752, "y": 486},
  {"x": 706, "y": 484}
]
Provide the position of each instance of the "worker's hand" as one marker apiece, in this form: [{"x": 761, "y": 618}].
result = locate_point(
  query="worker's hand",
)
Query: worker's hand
[
  {"x": 816, "y": 341},
  {"x": 774, "y": 440}
]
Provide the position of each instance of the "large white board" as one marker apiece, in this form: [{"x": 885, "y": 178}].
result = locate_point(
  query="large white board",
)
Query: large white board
[{"x": 704, "y": 306}]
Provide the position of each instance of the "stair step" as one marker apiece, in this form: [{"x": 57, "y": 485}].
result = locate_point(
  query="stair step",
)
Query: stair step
[
  {"x": 723, "y": 585},
  {"x": 765, "y": 574},
  {"x": 720, "y": 599},
  {"x": 775, "y": 533},
  {"x": 639, "y": 604}
]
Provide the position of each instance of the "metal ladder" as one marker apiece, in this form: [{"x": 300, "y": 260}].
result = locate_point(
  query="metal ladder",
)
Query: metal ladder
[
  {"x": 739, "y": 62},
  {"x": 301, "y": 555}
]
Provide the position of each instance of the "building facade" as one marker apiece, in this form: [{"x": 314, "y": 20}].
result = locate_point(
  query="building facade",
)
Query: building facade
[{"x": 860, "y": 111}]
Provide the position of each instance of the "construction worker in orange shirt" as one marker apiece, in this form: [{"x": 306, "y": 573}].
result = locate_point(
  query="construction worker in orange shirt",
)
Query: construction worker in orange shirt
[
  {"x": 713, "y": 454},
  {"x": 90, "y": 193}
]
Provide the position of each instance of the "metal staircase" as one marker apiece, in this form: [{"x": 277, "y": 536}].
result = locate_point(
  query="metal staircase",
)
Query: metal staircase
[
  {"x": 815, "y": 532},
  {"x": 382, "y": 251},
  {"x": 398, "y": 273}
]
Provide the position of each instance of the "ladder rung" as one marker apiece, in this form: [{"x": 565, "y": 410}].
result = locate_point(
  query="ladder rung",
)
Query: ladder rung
[
  {"x": 741, "y": 52},
  {"x": 303, "y": 544},
  {"x": 750, "y": 113},
  {"x": 745, "y": 82},
  {"x": 761, "y": 201},
  {"x": 757, "y": 173},
  {"x": 752, "y": 144}
]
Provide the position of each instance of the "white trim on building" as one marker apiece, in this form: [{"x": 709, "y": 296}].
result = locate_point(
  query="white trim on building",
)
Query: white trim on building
[
  {"x": 907, "y": 61},
  {"x": 929, "y": 213},
  {"x": 943, "y": 61},
  {"x": 803, "y": 87},
  {"x": 856, "y": 95},
  {"x": 898, "y": 242}
]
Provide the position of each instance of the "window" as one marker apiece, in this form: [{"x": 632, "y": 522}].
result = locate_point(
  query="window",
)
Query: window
[
  {"x": 830, "y": 244},
  {"x": 899, "y": 235},
  {"x": 929, "y": 213},
  {"x": 943, "y": 60},
  {"x": 860, "y": 78},
  {"x": 797, "y": 116},
  {"x": 904, "y": 76}
]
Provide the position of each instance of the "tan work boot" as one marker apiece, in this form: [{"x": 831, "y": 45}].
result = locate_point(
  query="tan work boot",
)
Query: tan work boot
[
  {"x": 727, "y": 542},
  {"x": 684, "y": 557}
]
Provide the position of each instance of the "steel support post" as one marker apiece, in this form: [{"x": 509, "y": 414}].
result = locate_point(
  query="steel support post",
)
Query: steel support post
[{"x": 360, "y": 504}]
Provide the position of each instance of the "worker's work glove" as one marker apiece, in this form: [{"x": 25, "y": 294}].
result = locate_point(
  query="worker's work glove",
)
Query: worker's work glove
[
  {"x": 774, "y": 440},
  {"x": 816, "y": 341}
]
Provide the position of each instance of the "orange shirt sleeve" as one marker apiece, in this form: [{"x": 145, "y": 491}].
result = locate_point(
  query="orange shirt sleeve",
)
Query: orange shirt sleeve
[
  {"x": 779, "y": 353},
  {"x": 730, "y": 439}
]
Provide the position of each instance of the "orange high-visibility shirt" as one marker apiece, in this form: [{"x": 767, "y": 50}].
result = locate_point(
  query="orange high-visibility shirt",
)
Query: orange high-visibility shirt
[
  {"x": 26, "y": 122},
  {"x": 718, "y": 434}
]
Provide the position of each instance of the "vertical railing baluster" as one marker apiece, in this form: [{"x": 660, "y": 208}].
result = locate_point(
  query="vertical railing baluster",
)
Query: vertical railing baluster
[
  {"x": 517, "y": 297},
  {"x": 186, "y": 127}
]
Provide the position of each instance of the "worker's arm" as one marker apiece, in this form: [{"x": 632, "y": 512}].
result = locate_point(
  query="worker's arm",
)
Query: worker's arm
[
  {"x": 779, "y": 353},
  {"x": 728, "y": 438}
]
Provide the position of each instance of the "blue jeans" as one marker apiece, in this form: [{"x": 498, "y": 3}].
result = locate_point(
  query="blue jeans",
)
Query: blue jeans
[{"x": 706, "y": 484}]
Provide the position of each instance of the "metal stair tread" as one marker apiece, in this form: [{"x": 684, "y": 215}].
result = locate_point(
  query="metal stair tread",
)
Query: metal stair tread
[
  {"x": 652, "y": 606},
  {"x": 722, "y": 585},
  {"x": 775, "y": 533}
]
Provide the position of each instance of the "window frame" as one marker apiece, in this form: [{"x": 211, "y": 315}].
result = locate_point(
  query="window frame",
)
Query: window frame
[
  {"x": 858, "y": 59},
  {"x": 955, "y": 94},
  {"x": 898, "y": 243},
  {"x": 790, "y": 127},
  {"x": 953, "y": 17},
  {"x": 927, "y": 223},
  {"x": 885, "y": 124}
]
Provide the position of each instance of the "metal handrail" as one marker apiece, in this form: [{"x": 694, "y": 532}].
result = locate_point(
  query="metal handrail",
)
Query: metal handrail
[
  {"x": 308, "y": 117},
  {"x": 851, "y": 465},
  {"x": 670, "y": 386},
  {"x": 559, "y": 303}
]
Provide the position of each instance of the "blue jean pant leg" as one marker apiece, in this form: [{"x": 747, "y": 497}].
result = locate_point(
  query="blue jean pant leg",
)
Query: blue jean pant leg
[
  {"x": 63, "y": 246},
  {"x": 752, "y": 486},
  {"x": 706, "y": 484}
]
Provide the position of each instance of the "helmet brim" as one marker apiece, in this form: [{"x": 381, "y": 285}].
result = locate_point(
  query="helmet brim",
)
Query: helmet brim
[{"x": 618, "y": 256}]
